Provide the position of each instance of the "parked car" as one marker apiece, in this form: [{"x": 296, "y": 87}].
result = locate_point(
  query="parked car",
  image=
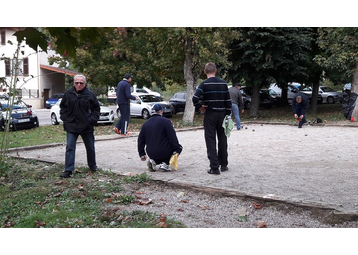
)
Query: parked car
[
  {"x": 275, "y": 98},
  {"x": 178, "y": 101},
  {"x": 265, "y": 99},
  {"x": 106, "y": 115},
  {"x": 144, "y": 89},
  {"x": 329, "y": 95},
  {"x": 53, "y": 99},
  {"x": 22, "y": 115},
  {"x": 294, "y": 89},
  {"x": 143, "y": 106}
]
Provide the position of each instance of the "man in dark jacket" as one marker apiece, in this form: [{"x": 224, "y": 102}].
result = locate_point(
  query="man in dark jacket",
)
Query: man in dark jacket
[
  {"x": 300, "y": 105},
  {"x": 79, "y": 111},
  {"x": 160, "y": 139},
  {"x": 123, "y": 102},
  {"x": 216, "y": 105}
]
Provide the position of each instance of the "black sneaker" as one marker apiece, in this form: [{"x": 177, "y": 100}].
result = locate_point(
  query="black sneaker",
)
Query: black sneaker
[
  {"x": 213, "y": 171},
  {"x": 94, "y": 169},
  {"x": 66, "y": 174},
  {"x": 224, "y": 168}
]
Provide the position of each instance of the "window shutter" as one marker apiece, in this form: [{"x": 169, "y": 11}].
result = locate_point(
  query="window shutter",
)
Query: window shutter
[
  {"x": 26, "y": 66},
  {"x": 7, "y": 67},
  {"x": 3, "y": 38}
]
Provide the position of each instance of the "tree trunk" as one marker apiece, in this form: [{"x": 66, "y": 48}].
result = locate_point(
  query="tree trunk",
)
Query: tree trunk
[
  {"x": 255, "y": 100},
  {"x": 354, "y": 89},
  {"x": 314, "y": 98},
  {"x": 189, "y": 111}
]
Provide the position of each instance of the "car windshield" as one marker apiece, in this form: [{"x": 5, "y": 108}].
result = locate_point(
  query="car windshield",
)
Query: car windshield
[
  {"x": 18, "y": 104},
  {"x": 150, "y": 98},
  {"x": 327, "y": 89},
  {"x": 307, "y": 89},
  {"x": 272, "y": 92}
]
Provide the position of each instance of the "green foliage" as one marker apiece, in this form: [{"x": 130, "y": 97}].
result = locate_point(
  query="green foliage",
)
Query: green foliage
[
  {"x": 340, "y": 52},
  {"x": 142, "y": 178}
]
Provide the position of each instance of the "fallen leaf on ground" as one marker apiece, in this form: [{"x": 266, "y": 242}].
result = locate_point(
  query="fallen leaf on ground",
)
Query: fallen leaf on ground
[
  {"x": 180, "y": 194},
  {"x": 184, "y": 201},
  {"x": 40, "y": 224},
  {"x": 256, "y": 205},
  {"x": 204, "y": 207},
  {"x": 261, "y": 224},
  {"x": 145, "y": 202}
]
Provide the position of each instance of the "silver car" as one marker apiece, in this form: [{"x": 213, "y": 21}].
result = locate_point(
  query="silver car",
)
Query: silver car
[
  {"x": 106, "y": 116},
  {"x": 143, "y": 106},
  {"x": 329, "y": 95}
]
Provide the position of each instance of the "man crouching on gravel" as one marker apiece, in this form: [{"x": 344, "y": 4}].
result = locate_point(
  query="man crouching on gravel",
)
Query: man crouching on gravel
[
  {"x": 300, "y": 105},
  {"x": 160, "y": 139}
]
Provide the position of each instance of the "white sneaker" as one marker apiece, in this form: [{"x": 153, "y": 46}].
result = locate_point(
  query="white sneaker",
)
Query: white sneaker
[
  {"x": 151, "y": 165},
  {"x": 165, "y": 167}
]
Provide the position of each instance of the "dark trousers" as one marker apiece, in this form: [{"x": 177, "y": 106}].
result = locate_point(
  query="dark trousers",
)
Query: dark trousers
[
  {"x": 213, "y": 128},
  {"x": 88, "y": 140},
  {"x": 123, "y": 121}
]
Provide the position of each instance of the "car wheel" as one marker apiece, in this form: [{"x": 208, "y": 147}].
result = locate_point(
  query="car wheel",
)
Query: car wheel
[
  {"x": 118, "y": 113},
  {"x": 145, "y": 114},
  {"x": 248, "y": 105},
  {"x": 54, "y": 120},
  {"x": 330, "y": 100}
]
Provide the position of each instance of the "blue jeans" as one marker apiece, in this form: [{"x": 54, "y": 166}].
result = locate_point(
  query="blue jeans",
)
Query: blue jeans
[
  {"x": 88, "y": 140},
  {"x": 235, "y": 110},
  {"x": 123, "y": 121}
]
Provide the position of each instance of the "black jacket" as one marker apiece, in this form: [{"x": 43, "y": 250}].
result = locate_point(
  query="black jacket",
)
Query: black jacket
[
  {"x": 300, "y": 108},
  {"x": 159, "y": 137},
  {"x": 79, "y": 111}
]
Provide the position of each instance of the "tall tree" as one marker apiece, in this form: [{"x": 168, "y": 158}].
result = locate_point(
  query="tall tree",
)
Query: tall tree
[
  {"x": 340, "y": 58},
  {"x": 262, "y": 56},
  {"x": 185, "y": 51}
]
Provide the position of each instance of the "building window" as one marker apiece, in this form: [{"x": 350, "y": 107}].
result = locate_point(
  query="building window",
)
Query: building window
[
  {"x": 25, "y": 67},
  {"x": 21, "y": 69},
  {"x": 7, "y": 67},
  {"x": 3, "y": 38}
]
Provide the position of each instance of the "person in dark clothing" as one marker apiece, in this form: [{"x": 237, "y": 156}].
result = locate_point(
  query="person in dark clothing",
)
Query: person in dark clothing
[
  {"x": 123, "y": 102},
  {"x": 79, "y": 111},
  {"x": 215, "y": 104},
  {"x": 160, "y": 141},
  {"x": 237, "y": 103},
  {"x": 300, "y": 105}
]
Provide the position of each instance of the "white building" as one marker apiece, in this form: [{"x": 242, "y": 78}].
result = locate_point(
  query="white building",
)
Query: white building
[{"x": 37, "y": 80}]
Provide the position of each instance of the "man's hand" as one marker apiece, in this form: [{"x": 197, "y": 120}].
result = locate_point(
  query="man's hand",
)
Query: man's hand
[
  {"x": 143, "y": 158},
  {"x": 296, "y": 116},
  {"x": 203, "y": 109}
]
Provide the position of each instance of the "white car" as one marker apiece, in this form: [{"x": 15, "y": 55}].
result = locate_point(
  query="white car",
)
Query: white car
[
  {"x": 143, "y": 106},
  {"x": 106, "y": 116}
]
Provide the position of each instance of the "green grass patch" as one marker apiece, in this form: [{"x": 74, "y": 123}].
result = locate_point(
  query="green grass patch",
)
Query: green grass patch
[{"x": 33, "y": 196}]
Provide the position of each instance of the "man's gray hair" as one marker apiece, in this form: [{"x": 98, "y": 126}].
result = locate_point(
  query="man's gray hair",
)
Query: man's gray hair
[{"x": 81, "y": 75}]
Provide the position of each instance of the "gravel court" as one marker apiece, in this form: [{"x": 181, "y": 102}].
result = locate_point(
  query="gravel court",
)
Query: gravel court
[{"x": 309, "y": 164}]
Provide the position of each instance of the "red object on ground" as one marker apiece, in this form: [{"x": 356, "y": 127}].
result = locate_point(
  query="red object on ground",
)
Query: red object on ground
[{"x": 352, "y": 119}]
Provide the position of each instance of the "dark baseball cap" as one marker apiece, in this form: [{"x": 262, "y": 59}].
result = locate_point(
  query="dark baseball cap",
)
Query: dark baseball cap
[
  {"x": 128, "y": 75},
  {"x": 157, "y": 107}
]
